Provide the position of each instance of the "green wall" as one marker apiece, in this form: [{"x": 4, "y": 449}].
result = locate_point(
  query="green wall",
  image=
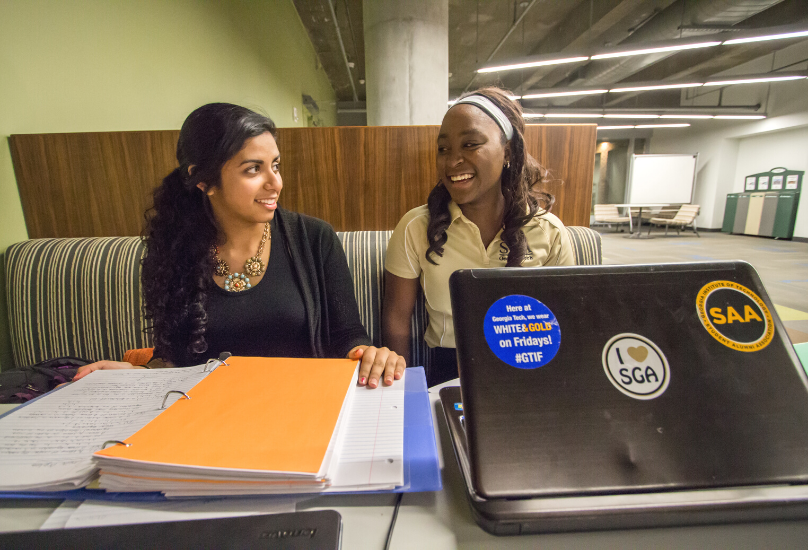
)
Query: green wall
[{"x": 111, "y": 65}]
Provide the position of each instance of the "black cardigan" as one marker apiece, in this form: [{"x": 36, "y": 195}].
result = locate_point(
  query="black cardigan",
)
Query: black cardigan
[{"x": 325, "y": 282}]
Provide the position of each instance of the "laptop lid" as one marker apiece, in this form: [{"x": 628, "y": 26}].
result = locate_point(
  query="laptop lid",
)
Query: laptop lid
[
  {"x": 610, "y": 379},
  {"x": 299, "y": 530}
]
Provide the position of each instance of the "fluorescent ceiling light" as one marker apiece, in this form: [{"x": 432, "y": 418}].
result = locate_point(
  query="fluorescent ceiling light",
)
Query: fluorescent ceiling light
[
  {"x": 660, "y": 49},
  {"x": 656, "y": 87},
  {"x": 644, "y": 86},
  {"x": 631, "y": 115},
  {"x": 538, "y": 63},
  {"x": 511, "y": 97},
  {"x": 686, "y": 116},
  {"x": 563, "y": 94},
  {"x": 754, "y": 80},
  {"x": 574, "y": 115},
  {"x": 767, "y": 37},
  {"x": 645, "y": 115},
  {"x": 683, "y": 125},
  {"x": 643, "y": 126}
]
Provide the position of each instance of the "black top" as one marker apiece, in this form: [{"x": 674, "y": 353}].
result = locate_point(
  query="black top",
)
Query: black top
[
  {"x": 321, "y": 279},
  {"x": 270, "y": 316}
]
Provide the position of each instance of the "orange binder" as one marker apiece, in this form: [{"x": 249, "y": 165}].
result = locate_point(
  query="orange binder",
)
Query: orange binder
[{"x": 253, "y": 414}]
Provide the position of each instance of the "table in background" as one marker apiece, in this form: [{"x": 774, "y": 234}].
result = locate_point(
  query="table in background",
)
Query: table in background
[{"x": 639, "y": 215}]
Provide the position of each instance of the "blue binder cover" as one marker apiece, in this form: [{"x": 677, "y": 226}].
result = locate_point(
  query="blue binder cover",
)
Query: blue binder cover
[{"x": 421, "y": 466}]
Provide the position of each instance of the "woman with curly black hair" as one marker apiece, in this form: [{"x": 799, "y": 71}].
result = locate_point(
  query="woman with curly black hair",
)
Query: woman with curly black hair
[
  {"x": 227, "y": 269},
  {"x": 485, "y": 211}
]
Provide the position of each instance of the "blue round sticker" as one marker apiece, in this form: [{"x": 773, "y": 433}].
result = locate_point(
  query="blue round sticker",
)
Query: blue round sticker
[{"x": 522, "y": 331}]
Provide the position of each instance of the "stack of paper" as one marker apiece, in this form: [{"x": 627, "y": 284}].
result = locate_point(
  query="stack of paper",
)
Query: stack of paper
[
  {"x": 253, "y": 426},
  {"x": 47, "y": 444}
]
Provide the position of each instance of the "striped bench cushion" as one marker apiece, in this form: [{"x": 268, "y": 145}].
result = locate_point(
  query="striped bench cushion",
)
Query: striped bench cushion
[
  {"x": 586, "y": 245},
  {"x": 81, "y": 297},
  {"x": 74, "y": 297},
  {"x": 366, "y": 252}
]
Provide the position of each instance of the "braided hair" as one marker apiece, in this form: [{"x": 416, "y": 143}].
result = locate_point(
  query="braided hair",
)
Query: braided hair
[
  {"x": 181, "y": 230},
  {"x": 519, "y": 180}
]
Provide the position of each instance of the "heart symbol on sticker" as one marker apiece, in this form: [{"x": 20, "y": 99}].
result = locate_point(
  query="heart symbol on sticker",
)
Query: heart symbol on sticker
[{"x": 638, "y": 354}]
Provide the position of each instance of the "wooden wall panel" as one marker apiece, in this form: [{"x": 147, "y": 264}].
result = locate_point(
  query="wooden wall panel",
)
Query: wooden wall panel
[
  {"x": 358, "y": 177},
  {"x": 568, "y": 152},
  {"x": 99, "y": 184},
  {"x": 89, "y": 184}
]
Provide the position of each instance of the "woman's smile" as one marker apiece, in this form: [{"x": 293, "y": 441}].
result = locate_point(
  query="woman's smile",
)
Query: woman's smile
[
  {"x": 459, "y": 182},
  {"x": 269, "y": 204},
  {"x": 461, "y": 178}
]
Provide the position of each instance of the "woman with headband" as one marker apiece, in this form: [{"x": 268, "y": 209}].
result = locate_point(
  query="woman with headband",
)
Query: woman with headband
[{"x": 483, "y": 212}]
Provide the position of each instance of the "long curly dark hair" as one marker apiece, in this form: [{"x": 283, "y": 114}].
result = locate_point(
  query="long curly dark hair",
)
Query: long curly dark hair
[
  {"x": 180, "y": 229},
  {"x": 519, "y": 180}
]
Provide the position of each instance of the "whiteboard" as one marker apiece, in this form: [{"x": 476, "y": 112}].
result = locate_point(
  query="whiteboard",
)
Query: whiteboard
[{"x": 662, "y": 179}]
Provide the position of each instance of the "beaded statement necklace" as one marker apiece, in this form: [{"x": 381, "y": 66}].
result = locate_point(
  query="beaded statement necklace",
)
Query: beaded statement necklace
[{"x": 254, "y": 266}]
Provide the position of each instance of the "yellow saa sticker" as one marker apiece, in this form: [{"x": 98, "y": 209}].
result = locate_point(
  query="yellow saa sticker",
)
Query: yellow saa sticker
[{"x": 735, "y": 316}]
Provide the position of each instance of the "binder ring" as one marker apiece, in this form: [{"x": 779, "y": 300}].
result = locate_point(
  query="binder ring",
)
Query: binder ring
[
  {"x": 222, "y": 360},
  {"x": 163, "y": 406},
  {"x": 115, "y": 442}
]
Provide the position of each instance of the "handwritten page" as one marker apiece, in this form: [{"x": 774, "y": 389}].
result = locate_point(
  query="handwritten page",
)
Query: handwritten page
[
  {"x": 97, "y": 513},
  {"x": 372, "y": 453},
  {"x": 48, "y": 444}
]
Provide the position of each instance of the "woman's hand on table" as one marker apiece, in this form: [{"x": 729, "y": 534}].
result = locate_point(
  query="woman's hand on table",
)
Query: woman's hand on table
[
  {"x": 102, "y": 365},
  {"x": 378, "y": 363}
]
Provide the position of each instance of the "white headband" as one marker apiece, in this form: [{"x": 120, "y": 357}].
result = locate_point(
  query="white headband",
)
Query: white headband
[{"x": 495, "y": 112}]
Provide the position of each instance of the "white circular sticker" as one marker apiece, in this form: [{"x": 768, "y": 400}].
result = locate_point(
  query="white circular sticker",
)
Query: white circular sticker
[{"x": 636, "y": 366}]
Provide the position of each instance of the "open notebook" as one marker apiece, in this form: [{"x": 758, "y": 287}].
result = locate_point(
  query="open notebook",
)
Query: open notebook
[{"x": 255, "y": 425}]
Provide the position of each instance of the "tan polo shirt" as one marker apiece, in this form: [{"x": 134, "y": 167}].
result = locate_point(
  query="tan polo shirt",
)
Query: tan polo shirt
[{"x": 547, "y": 241}]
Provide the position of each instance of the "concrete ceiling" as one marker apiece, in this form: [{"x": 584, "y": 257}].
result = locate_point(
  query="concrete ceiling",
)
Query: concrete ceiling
[
  {"x": 319, "y": 22},
  {"x": 485, "y": 32}
]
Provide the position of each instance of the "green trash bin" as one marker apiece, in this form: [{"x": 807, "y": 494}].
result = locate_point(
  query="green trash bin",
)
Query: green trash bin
[
  {"x": 786, "y": 215},
  {"x": 729, "y": 212}
]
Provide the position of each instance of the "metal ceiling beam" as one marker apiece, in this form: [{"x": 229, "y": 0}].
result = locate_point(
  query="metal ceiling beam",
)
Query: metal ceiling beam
[
  {"x": 666, "y": 26},
  {"x": 342, "y": 48},
  {"x": 501, "y": 42},
  {"x": 602, "y": 25},
  {"x": 701, "y": 63}
]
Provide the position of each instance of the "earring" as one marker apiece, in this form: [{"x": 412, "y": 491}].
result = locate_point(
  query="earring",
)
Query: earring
[{"x": 507, "y": 164}]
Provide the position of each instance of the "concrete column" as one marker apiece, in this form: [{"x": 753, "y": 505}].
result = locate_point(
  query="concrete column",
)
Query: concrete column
[{"x": 406, "y": 61}]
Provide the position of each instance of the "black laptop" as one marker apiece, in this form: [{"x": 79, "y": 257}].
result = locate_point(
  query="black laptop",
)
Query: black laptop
[
  {"x": 320, "y": 530},
  {"x": 618, "y": 396}
]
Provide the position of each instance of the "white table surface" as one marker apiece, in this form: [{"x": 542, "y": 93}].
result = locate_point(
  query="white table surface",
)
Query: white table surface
[{"x": 443, "y": 520}]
